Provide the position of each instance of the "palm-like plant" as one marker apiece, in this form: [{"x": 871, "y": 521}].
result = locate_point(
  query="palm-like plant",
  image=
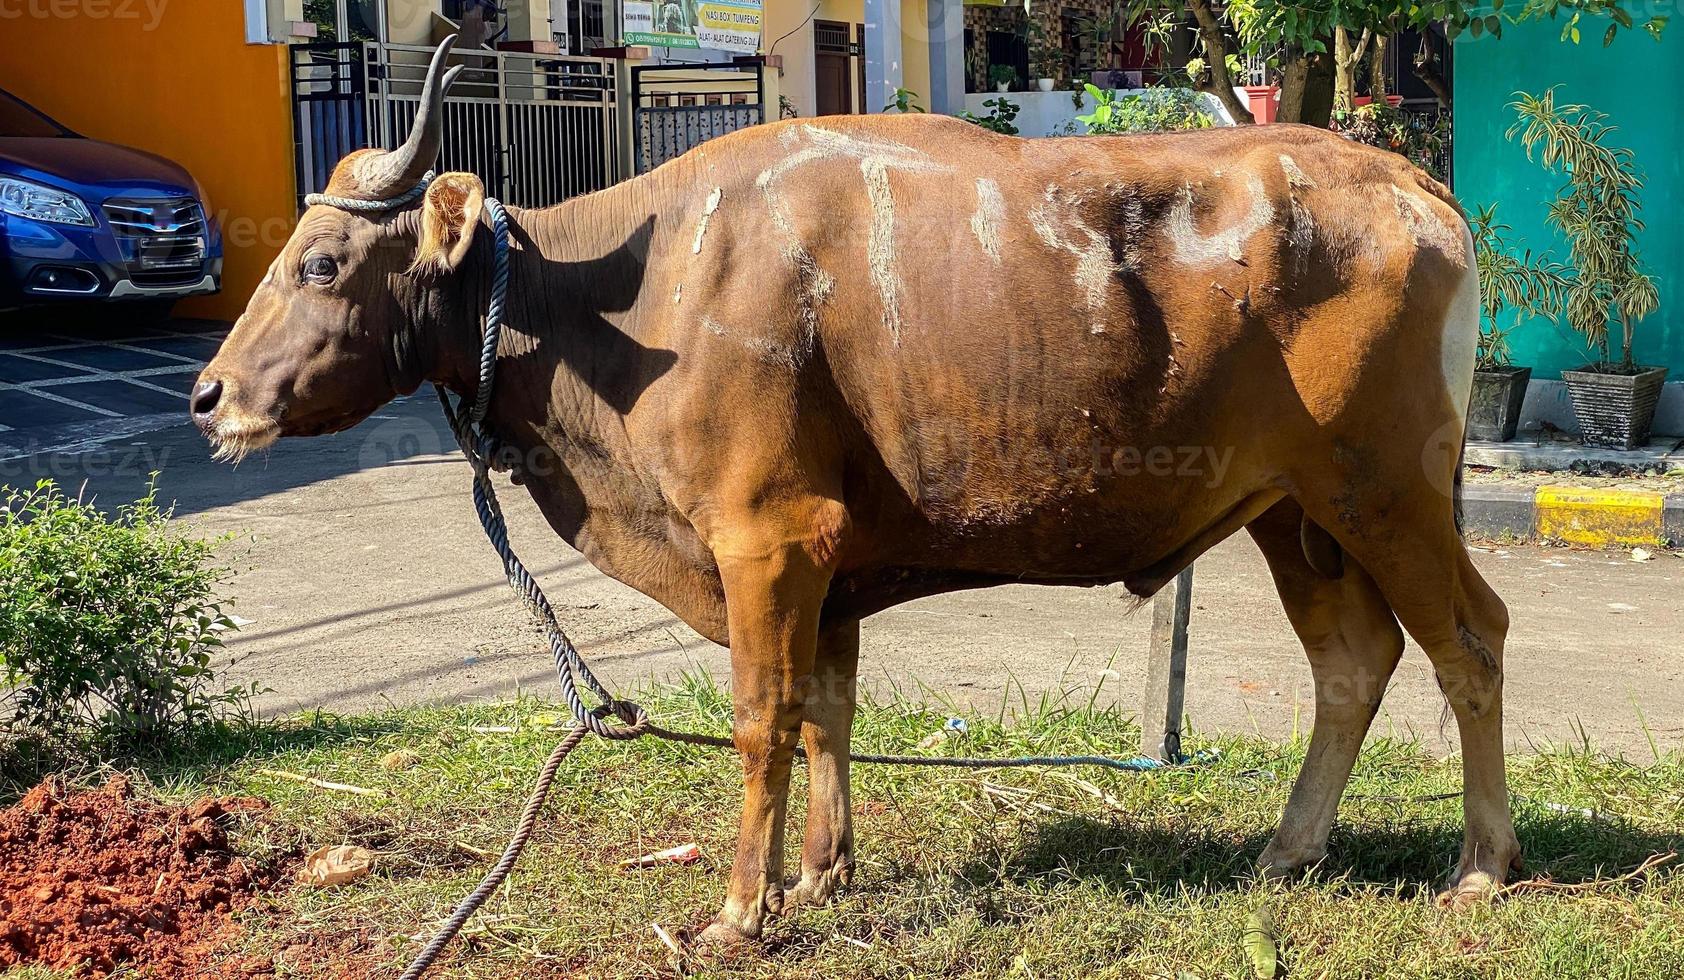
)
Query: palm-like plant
[
  {"x": 1522, "y": 283},
  {"x": 1598, "y": 211}
]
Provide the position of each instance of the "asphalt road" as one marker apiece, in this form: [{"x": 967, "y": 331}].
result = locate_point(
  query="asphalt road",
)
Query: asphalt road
[
  {"x": 67, "y": 382},
  {"x": 367, "y": 582}
]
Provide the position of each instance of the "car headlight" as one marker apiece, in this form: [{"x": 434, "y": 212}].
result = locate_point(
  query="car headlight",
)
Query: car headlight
[{"x": 41, "y": 203}]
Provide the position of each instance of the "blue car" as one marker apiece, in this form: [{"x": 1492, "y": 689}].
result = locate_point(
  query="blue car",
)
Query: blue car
[{"x": 82, "y": 220}]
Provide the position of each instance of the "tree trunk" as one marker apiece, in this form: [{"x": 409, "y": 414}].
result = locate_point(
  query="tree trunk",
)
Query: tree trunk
[
  {"x": 1346, "y": 57},
  {"x": 1426, "y": 69},
  {"x": 1215, "y": 48},
  {"x": 1295, "y": 73},
  {"x": 1317, "y": 107},
  {"x": 1378, "y": 85}
]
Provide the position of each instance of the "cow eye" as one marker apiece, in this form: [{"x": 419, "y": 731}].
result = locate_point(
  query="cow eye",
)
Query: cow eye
[{"x": 319, "y": 269}]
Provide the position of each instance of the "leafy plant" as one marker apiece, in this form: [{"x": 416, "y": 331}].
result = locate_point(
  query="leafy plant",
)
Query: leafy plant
[
  {"x": 1152, "y": 111},
  {"x": 1001, "y": 112},
  {"x": 1418, "y": 139},
  {"x": 1047, "y": 59},
  {"x": 1001, "y": 75},
  {"x": 1290, "y": 38},
  {"x": 905, "y": 100},
  {"x": 1598, "y": 212},
  {"x": 1526, "y": 285},
  {"x": 107, "y": 624}
]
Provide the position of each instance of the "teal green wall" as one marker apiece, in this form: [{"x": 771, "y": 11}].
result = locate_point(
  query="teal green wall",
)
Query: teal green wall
[{"x": 1639, "y": 82}]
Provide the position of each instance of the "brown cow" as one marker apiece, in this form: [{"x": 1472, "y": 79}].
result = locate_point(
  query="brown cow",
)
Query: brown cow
[{"x": 814, "y": 369}]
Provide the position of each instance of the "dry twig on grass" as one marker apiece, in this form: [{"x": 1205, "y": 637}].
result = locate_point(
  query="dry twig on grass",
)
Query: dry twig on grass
[
  {"x": 1556, "y": 887},
  {"x": 295, "y": 777}
]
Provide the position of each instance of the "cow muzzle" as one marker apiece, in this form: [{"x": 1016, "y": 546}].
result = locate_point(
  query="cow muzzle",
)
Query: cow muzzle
[{"x": 232, "y": 431}]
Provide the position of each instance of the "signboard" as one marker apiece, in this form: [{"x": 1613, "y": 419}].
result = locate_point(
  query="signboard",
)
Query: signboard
[{"x": 718, "y": 25}]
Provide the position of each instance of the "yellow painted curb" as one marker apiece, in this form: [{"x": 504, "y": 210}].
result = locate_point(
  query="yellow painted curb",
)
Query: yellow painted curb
[{"x": 1600, "y": 518}]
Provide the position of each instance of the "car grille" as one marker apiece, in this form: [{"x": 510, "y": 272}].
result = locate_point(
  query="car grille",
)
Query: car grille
[{"x": 163, "y": 238}]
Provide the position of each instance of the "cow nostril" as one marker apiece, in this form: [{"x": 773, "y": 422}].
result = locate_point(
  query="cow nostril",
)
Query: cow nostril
[{"x": 204, "y": 398}]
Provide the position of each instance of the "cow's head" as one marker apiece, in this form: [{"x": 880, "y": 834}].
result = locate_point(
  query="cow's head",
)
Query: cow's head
[{"x": 334, "y": 331}]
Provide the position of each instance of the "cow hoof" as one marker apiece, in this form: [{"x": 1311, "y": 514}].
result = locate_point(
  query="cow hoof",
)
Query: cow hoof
[
  {"x": 819, "y": 887},
  {"x": 1283, "y": 866},
  {"x": 723, "y": 939},
  {"x": 1471, "y": 889}
]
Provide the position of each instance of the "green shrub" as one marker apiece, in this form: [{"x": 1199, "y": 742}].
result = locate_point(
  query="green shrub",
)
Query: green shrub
[
  {"x": 1001, "y": 112},
  {"x": 1418, "y": 139},
  {"x": 1155, "y": 110},
  {"x": 107, "y": 624}
]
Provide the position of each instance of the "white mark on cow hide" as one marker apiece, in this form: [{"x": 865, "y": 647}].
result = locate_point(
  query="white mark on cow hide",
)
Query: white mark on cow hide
[
  {"x": 985, "y": 221},
  {"x": 877, "y": 159},
  {"x": 1059, "y": 222},
  {"x": 708, "y": 208},
  {"x": 880, "y": 247},
  {"x": 1301, "y": 230},
  {"x": 763, "y": 348},
  {"x": 677, "y": 293},
  {"x": 1194, "y": 248},
  {"x": 1427, "y": 229},
  {"x": 1461, "y": 335},
  {"x": 1295, "y": 175}
]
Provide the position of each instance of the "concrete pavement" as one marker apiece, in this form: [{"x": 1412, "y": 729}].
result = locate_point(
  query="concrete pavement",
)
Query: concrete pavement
[{"x": 367, "y": 582}]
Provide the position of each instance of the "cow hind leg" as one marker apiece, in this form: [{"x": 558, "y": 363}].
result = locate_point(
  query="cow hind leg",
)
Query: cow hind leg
[
  {"x": 1353, "y": 643},
  {"x": 827, "y": 851},
  {"x": 1406, "y": 539}
]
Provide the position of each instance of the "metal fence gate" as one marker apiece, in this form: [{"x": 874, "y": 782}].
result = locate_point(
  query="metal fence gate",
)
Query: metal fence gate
[
  {"x": 537, "y": 129},
  {"x": 681, "y": 106}
]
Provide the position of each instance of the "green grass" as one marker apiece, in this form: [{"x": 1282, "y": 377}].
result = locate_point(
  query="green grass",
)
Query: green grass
[{"x": 1031, "y": 874}]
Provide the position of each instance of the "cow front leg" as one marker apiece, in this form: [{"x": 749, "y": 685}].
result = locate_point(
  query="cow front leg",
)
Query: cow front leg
[
  {"x": 827, "y": 852},
  {"x": 773, "y": 603}
]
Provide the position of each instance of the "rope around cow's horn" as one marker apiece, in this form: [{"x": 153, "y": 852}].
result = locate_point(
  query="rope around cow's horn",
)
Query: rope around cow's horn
[{"x": 481, "y": 448}]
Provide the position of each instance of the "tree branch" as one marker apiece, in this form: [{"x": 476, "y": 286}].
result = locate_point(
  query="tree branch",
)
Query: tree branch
[
  {"x": 1214, "y": 43},
  {"x": 1426, "y": 69}
]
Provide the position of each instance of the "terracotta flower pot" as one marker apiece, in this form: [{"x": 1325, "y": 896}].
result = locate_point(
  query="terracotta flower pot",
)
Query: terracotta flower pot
[
  {"x": 1497, "y": 397},
  {"x": 1615, "y": 410}
]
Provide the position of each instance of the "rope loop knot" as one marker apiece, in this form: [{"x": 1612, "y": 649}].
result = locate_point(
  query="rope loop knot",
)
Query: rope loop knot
[{"x": 634, "y": 720}]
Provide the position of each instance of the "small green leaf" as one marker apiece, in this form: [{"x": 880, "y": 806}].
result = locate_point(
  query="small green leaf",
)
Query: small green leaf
[
  {"x": 1476, "y": 27},
  {"x": 1493, "y": 26},
  {"x": 1260, "y": 944},
  {"x": 1608, "y": 37}
]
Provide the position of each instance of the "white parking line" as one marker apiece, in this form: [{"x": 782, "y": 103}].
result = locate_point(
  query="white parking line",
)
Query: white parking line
[
  {"x": 86, "y": 374},
  {"x": 73, "y": 403}
]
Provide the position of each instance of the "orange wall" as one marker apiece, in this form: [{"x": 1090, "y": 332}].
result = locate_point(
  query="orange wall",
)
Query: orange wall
[{"x": 177, "y": 78}]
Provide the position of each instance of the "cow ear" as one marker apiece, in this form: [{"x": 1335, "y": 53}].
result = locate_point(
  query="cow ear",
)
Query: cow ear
[{"x": 449, "y": 215}]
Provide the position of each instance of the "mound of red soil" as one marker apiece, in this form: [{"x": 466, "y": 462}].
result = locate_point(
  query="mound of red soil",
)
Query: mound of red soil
[{"x": 98, "y": 880}]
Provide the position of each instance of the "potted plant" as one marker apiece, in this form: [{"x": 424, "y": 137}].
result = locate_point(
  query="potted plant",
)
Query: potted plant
[
  {"x": 1002, "y": 77},
  {"x": 1526, "y": 286},
  {"x": 1046, "y": 62},
  {"x": 1597, "y": 211}
]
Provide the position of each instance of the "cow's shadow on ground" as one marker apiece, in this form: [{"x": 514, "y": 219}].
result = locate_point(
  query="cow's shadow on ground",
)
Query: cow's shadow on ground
[
  {"x": 1410, "y": 857},
  {"x": 196, "y": 755}
]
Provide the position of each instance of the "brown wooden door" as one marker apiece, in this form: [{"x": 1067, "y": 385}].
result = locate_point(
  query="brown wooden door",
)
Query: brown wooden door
[{"x": 832, "y": 77}]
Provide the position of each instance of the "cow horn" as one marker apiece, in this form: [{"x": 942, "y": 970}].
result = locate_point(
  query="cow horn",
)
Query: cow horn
[{"x": 390, "y": 174}]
